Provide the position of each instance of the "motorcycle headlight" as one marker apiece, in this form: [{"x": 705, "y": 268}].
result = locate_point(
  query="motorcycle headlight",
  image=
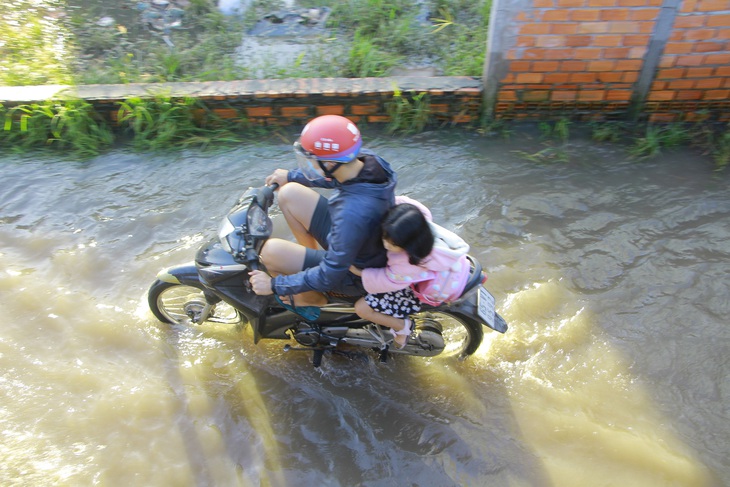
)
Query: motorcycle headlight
[
  {"x": 224, "y": 230},
  {"x": 258, "y": 222}
]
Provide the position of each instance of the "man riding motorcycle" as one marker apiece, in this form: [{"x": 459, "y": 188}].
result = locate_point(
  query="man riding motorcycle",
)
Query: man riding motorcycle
[{"x": 346, "y": 227}]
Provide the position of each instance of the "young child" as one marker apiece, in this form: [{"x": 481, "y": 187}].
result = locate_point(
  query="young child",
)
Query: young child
[{"x": 426, "y": 264}]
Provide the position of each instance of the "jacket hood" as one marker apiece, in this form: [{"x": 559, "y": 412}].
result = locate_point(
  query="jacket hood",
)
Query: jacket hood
[{"x": 447, "y": 249}]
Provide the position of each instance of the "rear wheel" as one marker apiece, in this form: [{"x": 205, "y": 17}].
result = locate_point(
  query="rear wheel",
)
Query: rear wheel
[
  {"x": 461, "y": 337},
  {"x": 184, "y": 305}
]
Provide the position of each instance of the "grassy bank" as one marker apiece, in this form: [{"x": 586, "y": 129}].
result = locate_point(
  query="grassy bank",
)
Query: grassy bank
[
  {"x": 72, "y": 127},
  {"x": 67, "y": 41}
]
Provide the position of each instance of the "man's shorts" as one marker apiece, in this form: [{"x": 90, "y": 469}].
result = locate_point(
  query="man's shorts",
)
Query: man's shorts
[{"x": 319, "y": 228}]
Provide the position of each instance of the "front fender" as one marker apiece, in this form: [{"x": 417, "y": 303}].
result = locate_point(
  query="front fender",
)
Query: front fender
[{"x": 180, "y": 274}]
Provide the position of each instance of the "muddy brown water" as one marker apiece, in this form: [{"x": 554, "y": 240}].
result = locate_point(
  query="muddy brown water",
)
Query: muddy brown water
[{"x": 613, "y": 275}]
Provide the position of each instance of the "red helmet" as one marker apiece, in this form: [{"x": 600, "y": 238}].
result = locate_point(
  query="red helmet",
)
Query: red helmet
[{"x": 331, "y": 138}]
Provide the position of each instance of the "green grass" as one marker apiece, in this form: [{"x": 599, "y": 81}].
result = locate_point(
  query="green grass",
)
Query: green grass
[{"x": 409, "y": 113}]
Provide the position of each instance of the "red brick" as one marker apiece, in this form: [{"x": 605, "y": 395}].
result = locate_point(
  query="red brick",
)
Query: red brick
[
  {"x": 330, "y": 110},
  {"x": 294, "y": 112},
  {"x": 364, "y": 109},
  {"x": 698, "y": 34},
  {"x": 608, "y": 40},
  {"x": 630, "y": 77},
  {"x": 673, "y": 73},
  {"x": 616, "y": 95},
  {"x": 559, "y": 54},
  {"x": 535, "y": 28},
  {"x": 628, "y": 65},
  {"x": 593, "y": 27},
  {"x": 717, "y": 95},
  {"x": 520, "y": 66},
  {"x": 688, "y": 6},
  {"x": 583, "y": 77},
  {"x": 563, "y": 95},
  {"x": 558, "y": 15},
  {"x": 722, "y": 71},
  {"x": 708, "y": 83},
  {"x": 557, "y": 78},
  {"x": 636, "y": 40},
  {"x": 507, "y": 96},
  {"x": 535, "y": 95},
  {"x": 709, "y": 46},
  {"x": 632, "y": 3},
  {"x": 543, "y": 4},
  {"x": 525, "y": 41},
  {"x": 614, "y": 14},
  {"x": 259, "y": 111},
  {"x": 601, "y": 65},
  {"x": 616, "y": 52},
  {"x": 692, "y": 60},
  {"x": 644, "y": 14},
  {"x": 597, "y": 95},
  {"x": 698, "y": 72},
  {"x": 681, "y": 84},
  {"x": 588, "y": 53},
  {"x": 601, "y": 3},
  {"x": 578, "y": 41},
  {"x": 573, "y": 66},
  {"x": 624, "y": 28},
  {"x": 533, "y": 54},
  {"x": 723, "y": 58},
  {"x": 226, "y": 113},
  {"x": 570, "y": 3},
  {"x": 719, "y": 20},
  {"x": 689, "y": 21},
  {"x": 544, "y": 66},
  {"x": 610, "y": 76},
  {"x": 564, "y": 29},
  {"x": 637, "y": 52},
  {"x": 689, "y": 95},
  {"x": 551, "y": 41},
  {"x": 529, "y": 78},
  {"x": 668, "y": 61},
  {"x": 584, "y": 15},
  {"x": 678, "y": 48},
  {"x": 712, "y": 5}
]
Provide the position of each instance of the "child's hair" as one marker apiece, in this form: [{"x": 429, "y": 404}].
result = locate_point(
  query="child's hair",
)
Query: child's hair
[{"x": 406, "y": 227}]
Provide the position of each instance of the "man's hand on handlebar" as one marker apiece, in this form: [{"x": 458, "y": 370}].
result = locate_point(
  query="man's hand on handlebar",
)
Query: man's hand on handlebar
[
  {"x": 261, "y": 283},
  {"x": 280, "y": 177}
]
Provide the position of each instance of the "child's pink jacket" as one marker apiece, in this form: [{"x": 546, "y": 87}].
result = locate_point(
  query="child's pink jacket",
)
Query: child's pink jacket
[{"x": 440, "y": 277}]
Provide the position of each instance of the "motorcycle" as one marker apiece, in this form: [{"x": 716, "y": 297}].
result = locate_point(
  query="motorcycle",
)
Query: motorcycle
[{"x": 215, "y": 288}]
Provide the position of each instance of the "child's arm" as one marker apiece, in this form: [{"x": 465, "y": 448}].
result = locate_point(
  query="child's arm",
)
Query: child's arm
[{"x": 398, "y": 274}]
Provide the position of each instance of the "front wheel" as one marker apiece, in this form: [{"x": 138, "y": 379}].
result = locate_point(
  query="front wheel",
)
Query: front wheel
[{"x": 182, "y": 304}]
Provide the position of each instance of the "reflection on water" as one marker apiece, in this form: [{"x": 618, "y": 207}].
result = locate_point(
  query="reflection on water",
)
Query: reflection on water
[{"x": 613, "y": 276}]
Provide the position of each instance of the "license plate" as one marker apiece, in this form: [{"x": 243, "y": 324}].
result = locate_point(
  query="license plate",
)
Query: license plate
[{"x": 485, "y": 306}]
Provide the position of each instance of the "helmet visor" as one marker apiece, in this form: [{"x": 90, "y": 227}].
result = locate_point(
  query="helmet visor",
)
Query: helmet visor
[{"x": 308, "y": 163}]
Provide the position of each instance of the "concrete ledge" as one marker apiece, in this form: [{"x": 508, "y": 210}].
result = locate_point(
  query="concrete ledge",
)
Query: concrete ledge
[{"x": 455, "y": 99}]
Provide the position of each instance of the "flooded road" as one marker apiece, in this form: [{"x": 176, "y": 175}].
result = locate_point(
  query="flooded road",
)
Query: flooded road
[{"x": 613, "y": 275}]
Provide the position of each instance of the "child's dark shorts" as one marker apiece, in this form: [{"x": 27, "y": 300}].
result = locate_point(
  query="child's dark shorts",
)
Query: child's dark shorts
[{"x": 399, "y": 304}]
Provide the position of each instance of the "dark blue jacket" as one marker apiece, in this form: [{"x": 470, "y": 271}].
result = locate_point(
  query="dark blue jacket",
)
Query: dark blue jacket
[{"x": 356, "y": 210}]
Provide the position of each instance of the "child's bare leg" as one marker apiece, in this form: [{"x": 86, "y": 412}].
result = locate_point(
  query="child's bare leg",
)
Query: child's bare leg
[{"x": 364, "y": 311}]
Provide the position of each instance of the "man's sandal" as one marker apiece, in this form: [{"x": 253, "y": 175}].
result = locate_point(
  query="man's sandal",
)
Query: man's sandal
[{"x": 405, "y": 331}]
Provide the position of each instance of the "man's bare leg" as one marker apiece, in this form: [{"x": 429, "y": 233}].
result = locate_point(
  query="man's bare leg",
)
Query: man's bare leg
[{"x": 298, "y": 203}]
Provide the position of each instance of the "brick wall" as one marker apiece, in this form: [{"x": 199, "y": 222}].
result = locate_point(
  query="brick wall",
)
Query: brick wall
[
  {"x": 693, "y": 77},
  {"x": 661, "y": 60}
]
